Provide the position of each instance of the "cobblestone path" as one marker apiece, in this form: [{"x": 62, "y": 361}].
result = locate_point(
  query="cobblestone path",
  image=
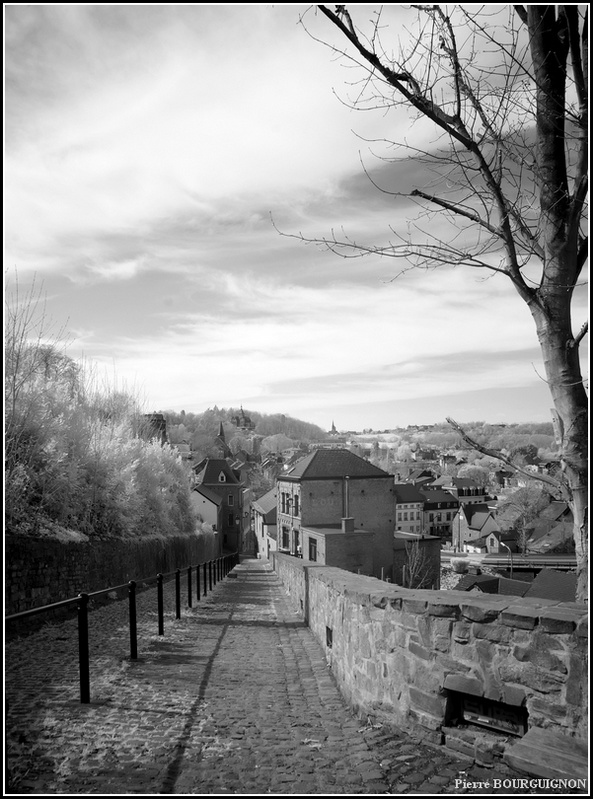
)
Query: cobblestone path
[{"x": 235, "y": 698}]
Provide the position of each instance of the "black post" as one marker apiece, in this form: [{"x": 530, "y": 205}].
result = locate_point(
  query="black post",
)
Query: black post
[
  {"x": 214, "y": 571},
  {"x": 133, "y": 625},
  {"x": 210, "y": 574},
  {"x": 205, "y": 580},
  {"x": 83, "y": 648},
  {"x": 198, "y": 582},
  {"x": 160, "y": 603},
  {"x": 189, "y": 586},
  {"x": 178, "y": 594}
]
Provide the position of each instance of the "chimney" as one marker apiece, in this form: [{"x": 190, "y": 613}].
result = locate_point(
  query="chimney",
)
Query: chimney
[{"x": 348, "y": 524}]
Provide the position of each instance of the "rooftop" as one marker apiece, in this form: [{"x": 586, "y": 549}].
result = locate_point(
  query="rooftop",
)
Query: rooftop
[{"x": 324, "y": 464}]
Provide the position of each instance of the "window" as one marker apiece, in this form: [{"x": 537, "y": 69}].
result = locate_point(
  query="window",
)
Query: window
[
  {"x": 399, "y": 516},
  {"x": 231, "y": 501},
  {"x": 285, "y": 538},
  {"x": 312, "y": 549},
  {"x": 405, "y": 515},
  {"x": 222, "y": 477},
  {"x": 296, "y": 505},
  {"x": 283, "y": 502}
]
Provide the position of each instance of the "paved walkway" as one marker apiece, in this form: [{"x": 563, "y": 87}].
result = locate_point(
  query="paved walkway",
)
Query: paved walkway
[{"x": 235, "y": 698}]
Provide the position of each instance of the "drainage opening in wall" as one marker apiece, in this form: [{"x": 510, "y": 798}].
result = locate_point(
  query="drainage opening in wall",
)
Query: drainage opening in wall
[
  {"x": 329, "y": 637},
  {"x": 477, "y": 711}
]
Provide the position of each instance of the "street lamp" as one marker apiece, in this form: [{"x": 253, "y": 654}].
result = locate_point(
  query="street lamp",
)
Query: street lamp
[{"x": 502, "y": 544}]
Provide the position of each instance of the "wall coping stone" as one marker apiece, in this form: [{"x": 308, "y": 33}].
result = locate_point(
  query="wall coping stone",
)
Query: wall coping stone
[
  {"x": 519, "y": 616},
  {"x": 521, "y": 612},
  {"x": 559, "y": 620}
]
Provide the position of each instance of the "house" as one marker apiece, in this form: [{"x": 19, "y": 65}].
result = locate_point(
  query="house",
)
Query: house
[
  {"x": 409, "y": 508},
  {"x": 478, "y": 583},
  {"x": 342, "y": 545},
  {"x": 264, "y": 515},
  {"x": 465, "y": 489},
  {"x": 216, "y": 475},
  {"x": 557, "y": 511},
  {"x": 420, "y": 477},
  {"x": 560, "y": 539},
  {"x": 208, "y": 507},
  {"x": 473, "y": 522},
  {"x": 334, "y": 499},
  {"x": 501, "y": 541},
  {"x": 242, "y": 421},
  {"x": 440, "y": 510}
]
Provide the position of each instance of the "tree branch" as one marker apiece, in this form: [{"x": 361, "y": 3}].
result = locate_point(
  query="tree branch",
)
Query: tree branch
[{"x": 492, "y": 453}]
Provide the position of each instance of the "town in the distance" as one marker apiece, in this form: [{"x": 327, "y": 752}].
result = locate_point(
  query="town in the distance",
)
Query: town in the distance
[{"x": 414, "y": 506}]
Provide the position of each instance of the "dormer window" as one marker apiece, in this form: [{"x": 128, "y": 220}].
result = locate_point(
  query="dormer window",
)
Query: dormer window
[{"x": 222, "y": 477}]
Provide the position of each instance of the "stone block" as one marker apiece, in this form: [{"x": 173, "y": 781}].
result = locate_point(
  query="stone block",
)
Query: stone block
[
  {"x": 483, "y": 610},
  {"x": 495, "y": 632},
  {"x": 443, "y": 607},
  {"x": 419, "y": 651},
  {"x": 464, "y": 684},
  {"x": 430, "y": 703},
  {"x": 540, "y": 656},
  {"x": 519, "y": 616},
  {"x": 583, "y": 627},
  {"x": 513, "y": 695},
  {"x": 558, "y": 620},
  {"x": 414, "y": 605},
  {"x": 461, "y": 632}
]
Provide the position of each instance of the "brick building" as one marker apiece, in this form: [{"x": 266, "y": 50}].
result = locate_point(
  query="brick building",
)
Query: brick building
[
  {"x": 409, "y": 508},
  {"x": 216, "y": 475},
  {"x": 325, "y": 488}
]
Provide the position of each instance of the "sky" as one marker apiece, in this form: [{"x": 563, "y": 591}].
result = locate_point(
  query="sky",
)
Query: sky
[{"x": 161, "y": 161}]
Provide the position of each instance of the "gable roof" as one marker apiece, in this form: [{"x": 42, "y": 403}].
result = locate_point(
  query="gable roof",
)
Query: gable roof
[
  {"x": 406, "y": 492},
  {"x": 554, "y": 584},
  {"x": 435, "y": 495},
  {"x": 560, "y": 535},
  {"x": 210, "y": 495},
  {"x": 266, "y": 503},
  {"x": 485, "y": 582},
  {"x": 512, "y": 587},
  {"x": 324, "y": 464},
  {"x": 208, "y": 471}
]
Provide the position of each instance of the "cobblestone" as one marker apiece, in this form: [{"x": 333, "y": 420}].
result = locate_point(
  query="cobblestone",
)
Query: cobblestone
[{"x": 235, "y": 698}]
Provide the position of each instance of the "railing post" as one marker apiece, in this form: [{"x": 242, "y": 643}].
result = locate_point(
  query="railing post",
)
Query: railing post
[
  {"x": 178, "y": 594},
  {"x": 205, "y": 580},
  {"x": 214, "y": 571},
  {"x": 133, "y": 624},
  {"x": 83, "y": 648},
  {"x": 159, "y": 582},
  {"x": 198, "y": 582},
  {"x": 189, "y": 586},
  {"x": 210, "y": 574}
]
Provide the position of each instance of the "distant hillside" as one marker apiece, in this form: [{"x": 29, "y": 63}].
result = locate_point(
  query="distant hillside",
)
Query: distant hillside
[{"x": 201, "y": 429}]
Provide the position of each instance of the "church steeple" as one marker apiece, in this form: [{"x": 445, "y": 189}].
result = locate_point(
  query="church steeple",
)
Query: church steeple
[{"x": 221, "y": 432}]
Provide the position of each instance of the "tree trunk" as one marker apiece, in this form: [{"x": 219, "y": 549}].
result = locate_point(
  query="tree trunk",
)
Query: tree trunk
[{"x": 565, "y": 382}]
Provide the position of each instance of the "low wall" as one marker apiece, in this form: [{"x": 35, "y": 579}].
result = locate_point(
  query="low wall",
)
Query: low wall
[
  {"x": 398, "y": 654},
  {"x": 40, "y": 571}
]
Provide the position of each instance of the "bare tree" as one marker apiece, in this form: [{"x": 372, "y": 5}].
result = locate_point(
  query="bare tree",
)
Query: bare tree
[
  {"x": 419, "y": 571},
  {"x": 511, "y": 177}
]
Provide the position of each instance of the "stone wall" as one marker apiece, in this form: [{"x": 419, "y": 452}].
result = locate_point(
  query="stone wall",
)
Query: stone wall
[
  {"x": 40, "y": 571},
  {"x": 398, "y": 654}
]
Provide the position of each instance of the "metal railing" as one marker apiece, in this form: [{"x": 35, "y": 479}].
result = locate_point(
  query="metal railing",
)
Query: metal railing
[{"x": 212, "y": 571}]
